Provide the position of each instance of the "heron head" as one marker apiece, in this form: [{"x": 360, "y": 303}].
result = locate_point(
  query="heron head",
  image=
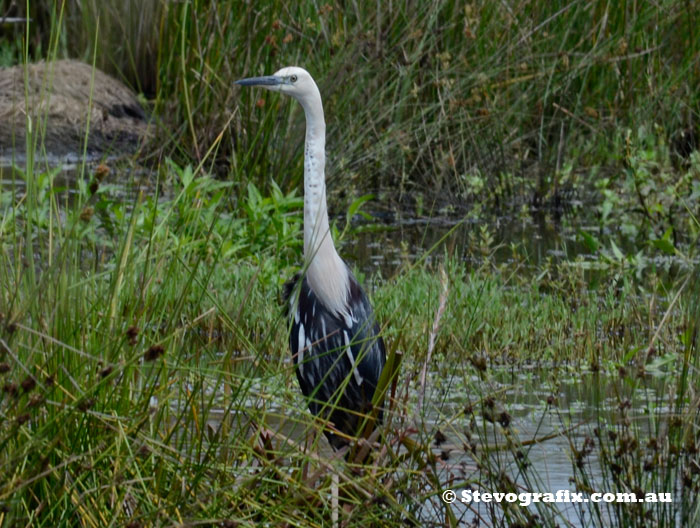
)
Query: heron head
[{"x": 292, "y": 80}]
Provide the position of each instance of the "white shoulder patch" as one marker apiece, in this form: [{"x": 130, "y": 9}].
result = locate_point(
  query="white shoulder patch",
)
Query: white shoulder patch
[
  {"x": 348, "y": 351},
  {"x": 301, "y": 341}
]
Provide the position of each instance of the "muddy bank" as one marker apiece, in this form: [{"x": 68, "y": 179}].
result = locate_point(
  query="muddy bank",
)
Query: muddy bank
[{"x": 58, "y": 102}]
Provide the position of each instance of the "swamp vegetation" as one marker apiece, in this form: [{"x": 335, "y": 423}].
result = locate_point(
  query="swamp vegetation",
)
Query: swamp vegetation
[{"x": 535, "y": 181}]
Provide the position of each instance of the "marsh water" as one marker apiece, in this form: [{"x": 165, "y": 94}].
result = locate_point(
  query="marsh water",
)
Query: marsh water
[
  {"x": 580, "y": 404},
  {"x": 547, "y": 429}
]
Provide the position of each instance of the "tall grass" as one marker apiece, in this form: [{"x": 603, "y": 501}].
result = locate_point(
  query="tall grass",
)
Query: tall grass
[
  {"x": 419, "y": 95},
  {"x": 146, "y": 380}
]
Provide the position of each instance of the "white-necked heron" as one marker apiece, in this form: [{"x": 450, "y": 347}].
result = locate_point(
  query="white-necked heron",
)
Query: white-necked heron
[{"x": 337, "y": 350}]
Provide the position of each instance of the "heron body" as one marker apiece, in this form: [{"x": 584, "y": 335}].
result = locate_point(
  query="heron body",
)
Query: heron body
[{"x": 335, "y": 342}]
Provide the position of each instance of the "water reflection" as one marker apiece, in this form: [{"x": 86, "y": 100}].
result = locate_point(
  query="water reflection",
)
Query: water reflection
[
  {"x": 537, "y": 237},
  {"x": 553, "y": 413}
]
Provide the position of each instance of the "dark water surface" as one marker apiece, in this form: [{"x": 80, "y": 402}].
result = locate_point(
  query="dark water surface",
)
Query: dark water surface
[{"x": 406, "y": 239}]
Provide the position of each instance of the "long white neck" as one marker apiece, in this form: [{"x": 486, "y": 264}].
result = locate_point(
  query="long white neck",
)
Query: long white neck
[{"x": 326, "y": 272}]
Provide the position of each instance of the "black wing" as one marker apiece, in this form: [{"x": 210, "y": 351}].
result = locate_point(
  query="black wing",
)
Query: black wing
[{"x": 338, "y": 358}]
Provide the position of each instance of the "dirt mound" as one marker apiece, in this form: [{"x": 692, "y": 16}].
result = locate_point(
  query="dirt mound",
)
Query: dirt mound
[{"x": 59, "y": 97}]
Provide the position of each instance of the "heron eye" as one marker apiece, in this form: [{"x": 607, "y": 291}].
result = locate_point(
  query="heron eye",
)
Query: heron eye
[{"x": 293, "y": 78}]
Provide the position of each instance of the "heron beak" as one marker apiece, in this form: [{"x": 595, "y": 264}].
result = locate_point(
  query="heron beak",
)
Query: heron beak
[{"x": 269, "y": 80}]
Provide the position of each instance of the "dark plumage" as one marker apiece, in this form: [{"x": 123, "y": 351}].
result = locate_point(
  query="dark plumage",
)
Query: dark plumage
[{"x": 338, "y": 380}]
